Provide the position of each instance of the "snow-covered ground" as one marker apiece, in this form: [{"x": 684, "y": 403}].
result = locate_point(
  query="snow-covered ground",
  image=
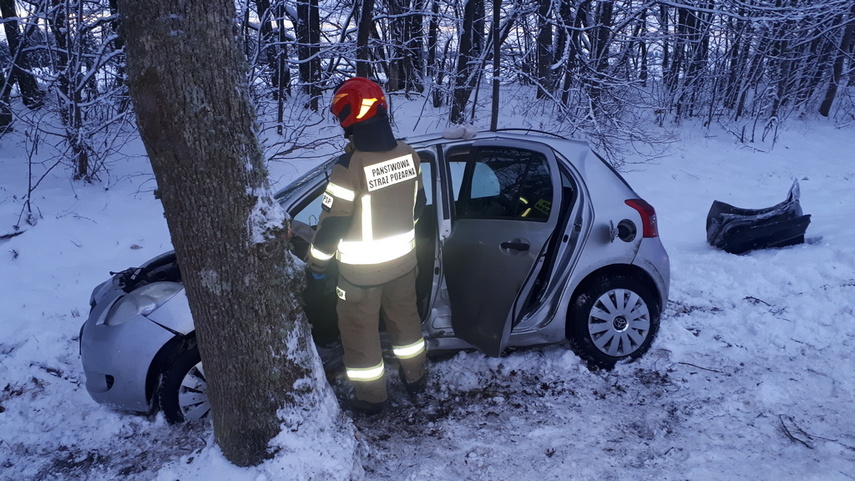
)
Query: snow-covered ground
[{"x": 752, "y": 376}]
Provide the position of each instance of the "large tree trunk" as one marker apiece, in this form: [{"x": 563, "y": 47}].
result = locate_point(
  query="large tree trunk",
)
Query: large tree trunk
[{"x": 199, "y": 129}]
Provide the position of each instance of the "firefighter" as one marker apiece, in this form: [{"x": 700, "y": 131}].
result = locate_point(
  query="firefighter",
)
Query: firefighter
[{"x": 370, "y": 206}]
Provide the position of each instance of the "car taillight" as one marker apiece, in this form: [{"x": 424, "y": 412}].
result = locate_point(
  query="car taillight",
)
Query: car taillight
[{"x": 648, "y": 216}]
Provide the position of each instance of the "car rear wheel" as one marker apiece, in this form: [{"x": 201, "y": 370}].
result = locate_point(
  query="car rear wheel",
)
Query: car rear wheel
[
  {"x": 614, "y": 318},
  {"x": 183, "y": 393}
]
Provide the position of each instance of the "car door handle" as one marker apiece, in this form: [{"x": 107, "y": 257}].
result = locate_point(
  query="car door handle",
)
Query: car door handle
[{"x": 517, "y": 246}]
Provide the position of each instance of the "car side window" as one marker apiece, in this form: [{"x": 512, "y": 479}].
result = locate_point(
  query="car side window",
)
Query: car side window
[{"x": 504, "y": 183}]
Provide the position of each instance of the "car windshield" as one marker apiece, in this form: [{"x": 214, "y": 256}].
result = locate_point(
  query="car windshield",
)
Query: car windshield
[{"x": 322, "y": 169}]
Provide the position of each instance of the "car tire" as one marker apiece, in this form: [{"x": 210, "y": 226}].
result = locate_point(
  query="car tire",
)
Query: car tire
[
  {"x": 182, "y": 393},
  {"x": 613, "y": 318}
]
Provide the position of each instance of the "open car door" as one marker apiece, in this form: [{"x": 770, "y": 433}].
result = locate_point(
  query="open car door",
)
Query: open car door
[{"x": 506, "y": 207}]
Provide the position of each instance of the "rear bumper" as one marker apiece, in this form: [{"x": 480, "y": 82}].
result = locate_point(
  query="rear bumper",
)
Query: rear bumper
[{"x": 651, "y": 257}]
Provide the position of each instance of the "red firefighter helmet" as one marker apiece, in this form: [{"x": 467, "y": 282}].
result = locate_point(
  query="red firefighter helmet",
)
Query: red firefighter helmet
[{"x": 356, "y": 100}]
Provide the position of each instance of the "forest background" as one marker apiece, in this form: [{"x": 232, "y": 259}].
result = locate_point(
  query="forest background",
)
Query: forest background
[{"x": 607, "y": 70}]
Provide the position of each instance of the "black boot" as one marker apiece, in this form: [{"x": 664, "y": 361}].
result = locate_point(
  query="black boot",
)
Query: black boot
[
  {"x": 416, "y": 387},
  {"x": 366, "y": 407}
]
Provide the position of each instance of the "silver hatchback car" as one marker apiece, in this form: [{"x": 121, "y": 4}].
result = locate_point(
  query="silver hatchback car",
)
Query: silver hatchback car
[{"x": 527, "y": 238}]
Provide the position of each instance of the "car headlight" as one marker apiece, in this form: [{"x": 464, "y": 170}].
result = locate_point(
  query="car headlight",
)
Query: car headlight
[{"x": 142, "y": 301}]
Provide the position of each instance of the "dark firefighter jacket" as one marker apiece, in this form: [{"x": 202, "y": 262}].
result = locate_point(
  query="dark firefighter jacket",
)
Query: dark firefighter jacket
[{"x": 369, "y": 210}]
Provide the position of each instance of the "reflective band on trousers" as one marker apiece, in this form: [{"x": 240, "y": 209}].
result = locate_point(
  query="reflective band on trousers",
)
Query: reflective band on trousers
[
  {"x": 366, "y": 373},
  {"x": 321, "y": 256},
  {"x": 340, "y": 192},
  {"x": 410, "y": 351},
  {"x": 376, "y": 251}
]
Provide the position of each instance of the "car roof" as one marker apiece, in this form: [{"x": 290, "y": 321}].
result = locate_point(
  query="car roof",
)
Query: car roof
[
  {"x": 576, "y": 151},
  {"x": 575, "y": 154},
  {"x": 555, "y": 141}
]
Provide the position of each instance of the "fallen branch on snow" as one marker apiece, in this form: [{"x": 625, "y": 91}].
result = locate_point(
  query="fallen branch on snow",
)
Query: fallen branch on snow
[
  {"x": 799, "y": 430},
  {"x": 699, "y": 367},
  {"x": 9, "y": 236}
]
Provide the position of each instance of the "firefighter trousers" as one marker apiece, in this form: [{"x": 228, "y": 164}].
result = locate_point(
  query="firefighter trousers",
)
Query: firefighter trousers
[{"x": 359, "y": 309}]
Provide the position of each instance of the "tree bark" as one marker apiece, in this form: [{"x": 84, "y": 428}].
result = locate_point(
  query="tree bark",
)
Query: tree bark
[
  {"x": 414, "y": 47},
  {"x": 30, "y": 93},
  {"x": 200, "y": 132},
  {"x": 270, "y": 46},
  {"x": 363, "y": 36},
  {"x": 405, "y": 45},
  {"x": 397, "y": 40},
  {"x": 308, "y": 41},
  {"x": 570, "y": 38},
  {"x": 471, "y": 45},
  {"x": 600, "y": 50},
  {"x": 544, "y": 49},
  {"x": 118, "y": 45},
  {"x": 494, "y": 117},
  {"x": 5, "y": 101},
  {"x": 71, "y": 98},
  {"x": 837, "y": 68},
  {"x": 434, "y": 63}
]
